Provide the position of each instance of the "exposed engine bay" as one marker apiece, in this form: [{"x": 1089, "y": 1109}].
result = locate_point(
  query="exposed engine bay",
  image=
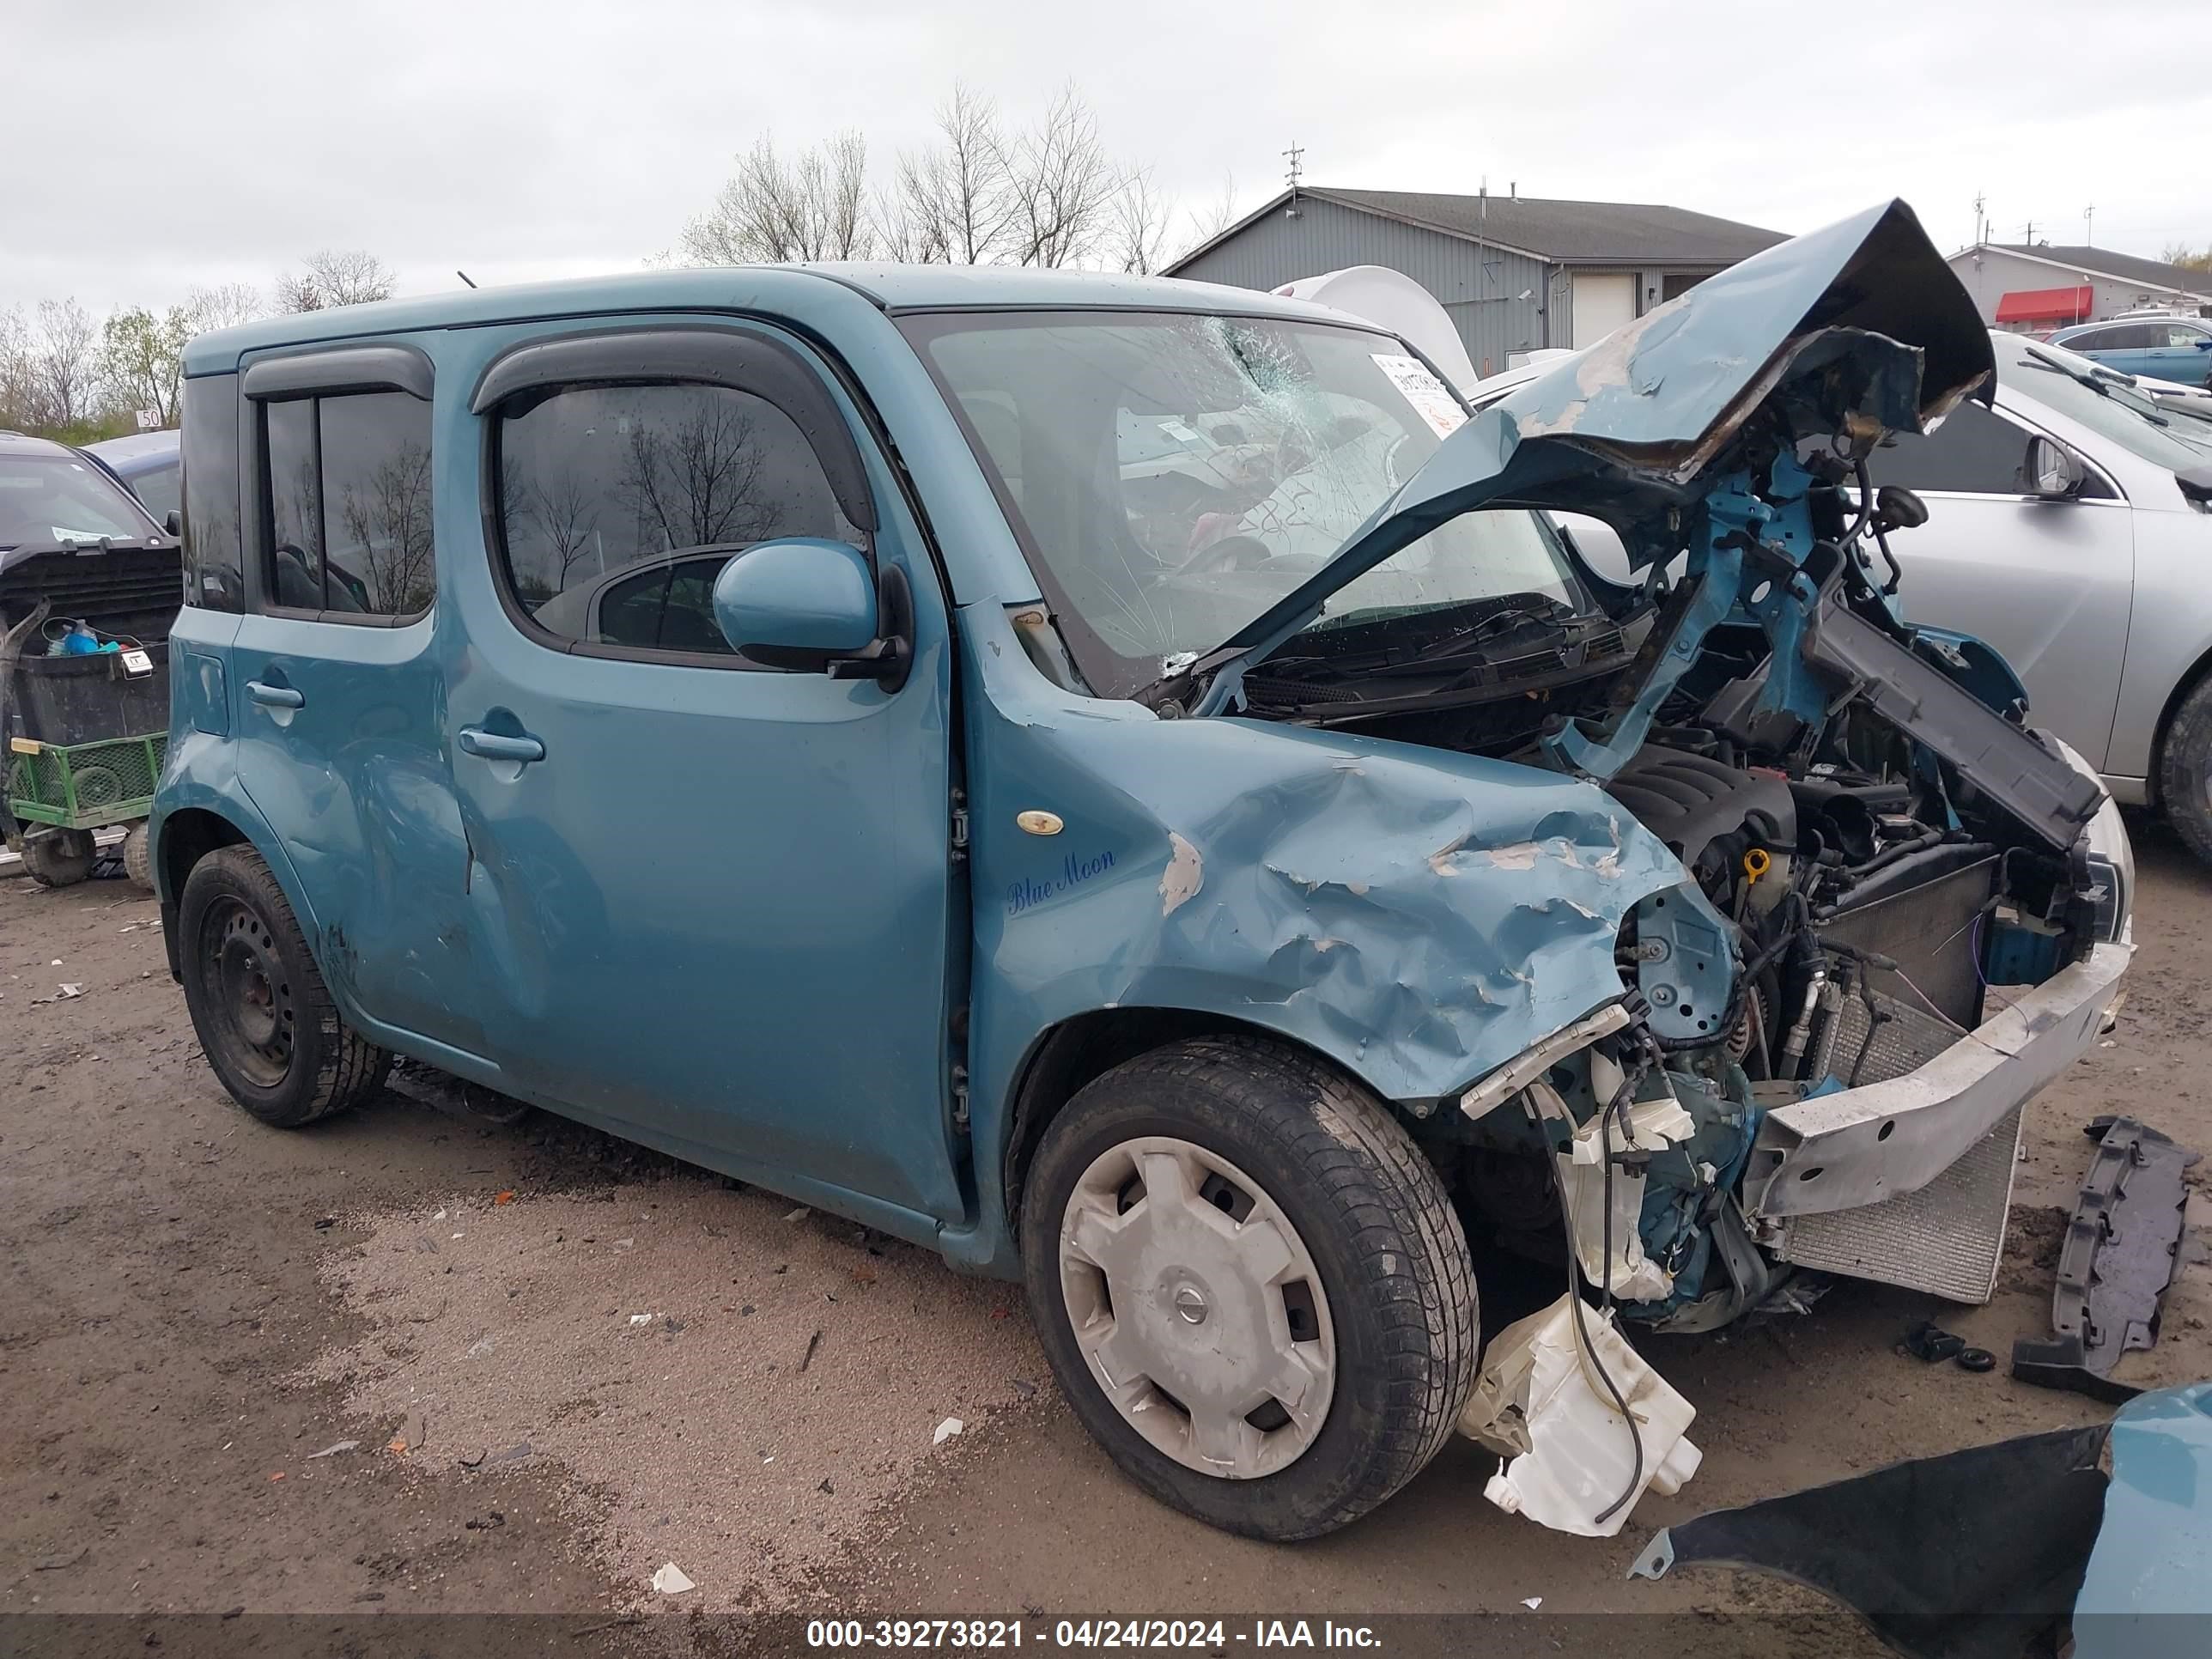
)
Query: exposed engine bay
[{"x": 1865, "y": 861}]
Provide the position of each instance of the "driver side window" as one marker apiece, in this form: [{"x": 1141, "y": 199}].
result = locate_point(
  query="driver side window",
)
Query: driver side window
[{"x": 619, "y": 504}]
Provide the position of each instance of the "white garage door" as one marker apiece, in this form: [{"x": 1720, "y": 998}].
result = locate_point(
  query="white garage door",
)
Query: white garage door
[{"x": 1602, "y": 303}]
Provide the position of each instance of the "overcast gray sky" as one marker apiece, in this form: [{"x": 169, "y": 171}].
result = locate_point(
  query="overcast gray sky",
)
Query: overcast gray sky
[{"x": 156, "y": 144}]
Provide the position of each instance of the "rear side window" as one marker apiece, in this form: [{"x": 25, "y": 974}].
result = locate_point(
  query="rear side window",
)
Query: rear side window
[
  {"x": 619, "y": 504},
  {"x": 156, "y": 488},
  {"x": 212, "y": 564},
  {"x": 346, "y": 497}
]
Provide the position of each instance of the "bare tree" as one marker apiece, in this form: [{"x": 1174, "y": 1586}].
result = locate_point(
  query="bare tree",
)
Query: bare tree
[
  {"x": 902, "y": 233},
  {"x": 2188, "y": 258},
  {"x": 696, "y": 482},
  {"x": 981, "y": 193},
  {"x": 814, "y": 206},
  {"x": 63, "y": 366},
  {"x": 224, "y": 305},
  {"x": 953, "y": 201},
  {"x": 565, "y": 510},
  {"x": 335, "y": 276},
  {"x": 15, "y": 372},
  {"x": 1061, "y": 183},
  {"x": 1205, "y": 222},
  {"x": 1137, "y": 237},
  {"x": 848, "y": 231},
  {"x": 387, "y": 517},
  {"x": 1209, "y": 221},
  {"x": 294, "y": 293}
]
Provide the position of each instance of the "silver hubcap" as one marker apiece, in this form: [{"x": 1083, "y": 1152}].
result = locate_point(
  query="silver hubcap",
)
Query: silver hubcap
[{"x": 1198, "y": 1307}]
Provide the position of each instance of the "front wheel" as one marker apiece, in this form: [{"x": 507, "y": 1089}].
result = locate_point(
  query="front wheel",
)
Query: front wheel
[
  {"x": 1251, "y": 1286},
  {"x": 264, "y": 1017}
]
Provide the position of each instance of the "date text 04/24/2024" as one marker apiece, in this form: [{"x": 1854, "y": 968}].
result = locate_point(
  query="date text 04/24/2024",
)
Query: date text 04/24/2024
[{"x": 1207, "y": 1634}]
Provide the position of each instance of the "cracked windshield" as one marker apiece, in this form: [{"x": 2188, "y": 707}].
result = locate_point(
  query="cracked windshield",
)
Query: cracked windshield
[{"x": 1171, "y": 477}]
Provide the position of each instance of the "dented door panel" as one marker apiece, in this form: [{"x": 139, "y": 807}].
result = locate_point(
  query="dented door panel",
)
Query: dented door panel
[{"x": 357, "y": 778}]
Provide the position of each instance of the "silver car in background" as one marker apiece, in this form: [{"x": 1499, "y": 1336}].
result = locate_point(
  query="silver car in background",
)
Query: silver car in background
[{"x": 2069, "y": 525}]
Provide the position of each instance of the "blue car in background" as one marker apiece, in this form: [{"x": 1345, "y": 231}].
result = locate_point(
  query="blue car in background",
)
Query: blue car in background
[
  {"x": 146, "y": 463},
  {"x": 2160, "y": 346}
]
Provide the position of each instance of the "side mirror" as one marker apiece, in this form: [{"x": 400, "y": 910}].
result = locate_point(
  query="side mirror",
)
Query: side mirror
[
  {"x": 2054, "y": 472},
  {"x": 174, "y": 522},
  {"x": 811, "y": 605}
]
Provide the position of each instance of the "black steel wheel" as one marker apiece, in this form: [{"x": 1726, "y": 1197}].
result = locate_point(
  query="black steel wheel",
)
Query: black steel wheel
[{"x": 264, "y": 1017}]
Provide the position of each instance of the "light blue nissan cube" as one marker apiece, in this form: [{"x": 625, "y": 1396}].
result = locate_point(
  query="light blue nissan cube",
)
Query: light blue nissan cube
[{"x": 1125, "y": 783}]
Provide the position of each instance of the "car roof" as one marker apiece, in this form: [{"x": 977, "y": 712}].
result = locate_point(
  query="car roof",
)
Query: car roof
[
  {"x": 22, "y": 443},
  {"x": 892, "y": 288},
  {"x": 2137, "y": 317},
  {"x": 137, "y": 451}
]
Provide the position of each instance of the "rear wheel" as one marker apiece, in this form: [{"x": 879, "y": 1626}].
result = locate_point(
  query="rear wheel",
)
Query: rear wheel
[
  {"x": 1251, "y": 1286},
  {"x": 59, "y": 858},
  {"x": 266, "y": 1019},
  {"x": 2185, "y": 773}
]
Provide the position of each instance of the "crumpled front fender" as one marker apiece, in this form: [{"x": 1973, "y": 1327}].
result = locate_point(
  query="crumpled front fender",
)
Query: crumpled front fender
[{"x": 1419, "y": 916}]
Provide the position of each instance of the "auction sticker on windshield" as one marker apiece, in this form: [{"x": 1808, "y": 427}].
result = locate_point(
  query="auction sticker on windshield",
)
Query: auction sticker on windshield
[{"x": 1432, "y": 398}]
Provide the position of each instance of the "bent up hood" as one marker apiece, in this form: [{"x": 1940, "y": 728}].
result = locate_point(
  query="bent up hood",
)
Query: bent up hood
[{"x": 1858, "y": 327}]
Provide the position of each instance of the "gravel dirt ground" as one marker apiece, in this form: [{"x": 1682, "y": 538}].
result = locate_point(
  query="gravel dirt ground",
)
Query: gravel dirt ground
[{"x": 561, "y": 1362}]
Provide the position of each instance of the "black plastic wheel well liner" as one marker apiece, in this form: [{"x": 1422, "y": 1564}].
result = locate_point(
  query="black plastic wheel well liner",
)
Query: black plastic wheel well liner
[{"x": 189, "y": 837}]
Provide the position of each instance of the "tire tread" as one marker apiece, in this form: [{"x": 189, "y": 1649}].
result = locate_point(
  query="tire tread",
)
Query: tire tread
[{"x": 2185, "y": 765}]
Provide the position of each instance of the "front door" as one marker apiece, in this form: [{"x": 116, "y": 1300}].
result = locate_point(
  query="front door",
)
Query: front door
[
  {"x": 2049, "y": 583},
  {"x": 710, "y": 899},
  {"x": 335, "y": 685}
]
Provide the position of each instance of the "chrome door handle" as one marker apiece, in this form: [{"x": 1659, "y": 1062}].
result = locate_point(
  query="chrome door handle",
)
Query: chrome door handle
[
  {"x": 274, "y": 697},
  {"x": 498, "y": 745}
]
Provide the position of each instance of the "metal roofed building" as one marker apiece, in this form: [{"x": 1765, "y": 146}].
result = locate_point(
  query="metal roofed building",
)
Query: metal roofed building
[
  {"x": 2037, "y": 287},
  {"x": 1514, "y": 272}
]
